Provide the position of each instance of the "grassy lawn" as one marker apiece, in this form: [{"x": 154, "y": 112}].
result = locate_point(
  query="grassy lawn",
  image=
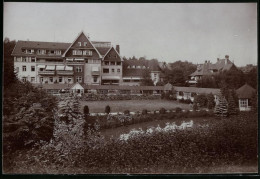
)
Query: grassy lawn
[{"x": 132, "y": 105}]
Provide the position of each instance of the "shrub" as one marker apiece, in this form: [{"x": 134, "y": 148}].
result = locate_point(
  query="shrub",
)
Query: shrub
[
  {"x": 201, "y": 99},
  {"x": 178, "y": 110},
  {"x": 107, "y": 109},
  {"x": 195, "y": 107},
  {"x": 231, "y": 105},
  {"x": 86, "y": 110},
  {"x": 211, "y": 102},
  {"x": 144, "y": 111},
  {"x": 162, "y": 111},
  {"x": 127, "y": 112},
  {"x": 221, "y": 110}
]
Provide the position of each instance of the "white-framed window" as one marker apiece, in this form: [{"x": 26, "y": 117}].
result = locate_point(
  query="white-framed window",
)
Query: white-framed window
[
  {"x": 24, "y": 68},
  {"x": 24, "y": 59},
  {"x": 78, "y": 69},
  {"x": 105, "y": 70},
  {"x": 24, "y": 79},
  {"x": 51, "y": 79},
  {"x": 32, "y": 68},
  {"x": 77, "y": 52},
  {"x": 57, "y": 52},
  {"x": 69, "y": 79},
  {"x": 33, "y": 59},
  {"x": 113, "y": 70},
  {"x": 60, "y": 79},
  {"x": 95, "y": 79},
  {"x": 41, "y": 79},
  {"x": 85, "y": 43},
  {"x": 118, "y": 70},
  {"x": 32, "y": 79},
  {"x": 79, "y": 79},
  {"x": 243, "y": 103},
  {"x": 79, "y": 44}
]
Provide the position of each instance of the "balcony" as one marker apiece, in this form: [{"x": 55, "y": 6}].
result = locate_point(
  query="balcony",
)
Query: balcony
[
  {"x": 95, "y": 73},
  {"x": 65, "y": 72},
  {"x": 46, "y": 72}
]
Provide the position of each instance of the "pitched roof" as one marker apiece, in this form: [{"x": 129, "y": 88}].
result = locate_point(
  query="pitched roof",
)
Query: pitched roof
[
  {"x": 245, "y": 91},
  {"x": 38, "y": 45},
  {"x": 197, "y": 90},
  {"x": 113, "y": 57},
  {"x": 103, "y": 50},
  {"x": 133, "y": 72},
  {"x": 202, "y": 70}
]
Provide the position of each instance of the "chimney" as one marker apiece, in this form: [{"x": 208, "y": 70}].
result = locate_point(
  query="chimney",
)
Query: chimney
[
  {"x": 118, "y": 49},
  {"x": 205, "y": 61},
  {"x": 217, "y": 59},
  {"x": 226, "y": 58}
]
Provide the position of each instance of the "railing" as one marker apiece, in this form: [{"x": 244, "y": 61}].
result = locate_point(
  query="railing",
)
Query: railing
[
  {"x": 95, "y": 73},
  {"x": 65, "y": 72},
  {"x": 46, "y": 72}
]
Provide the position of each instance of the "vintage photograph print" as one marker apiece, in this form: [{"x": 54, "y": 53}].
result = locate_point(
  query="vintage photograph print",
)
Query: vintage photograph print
[{"x": 125, "y": 88}]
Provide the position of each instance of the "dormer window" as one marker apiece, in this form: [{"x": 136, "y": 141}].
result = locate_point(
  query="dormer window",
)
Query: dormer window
[
  {"x": 79, "y": 44},
  {"x": 85, "y": 43}
]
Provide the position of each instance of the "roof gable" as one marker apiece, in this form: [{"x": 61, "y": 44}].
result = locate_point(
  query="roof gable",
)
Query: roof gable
[
  {"x": 82, "y": 38},
  {"x": 112, "y": 55},
  {"x": 245, "y": 91}
]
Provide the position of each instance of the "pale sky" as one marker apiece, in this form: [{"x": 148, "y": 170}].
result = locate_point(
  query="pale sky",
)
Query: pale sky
[{"x": 168, "y": 32}]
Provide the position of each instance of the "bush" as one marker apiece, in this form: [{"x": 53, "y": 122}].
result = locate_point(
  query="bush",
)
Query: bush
[
  {"x": 201, "y": 99},
  {"x": 127, "y": 112},
  {"x": 86, "y": 110},
  {"x": 144, "y": 111},
  {"x": 178, "y": 110},
  {"x": 162, "y": 111},
  {"x": 107, "y": 109},
  {"x": 195, "y": 107}
]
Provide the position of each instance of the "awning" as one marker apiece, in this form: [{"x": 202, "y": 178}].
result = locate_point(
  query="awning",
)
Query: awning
[
  {"x": 136, "y": 78},
  {"x": 110, "y": 78},
  {"x": 50, "y": 67},
  {"x": 60, "y": 67},
  {"x": 68, "y": 68},
  {"x": 95, "y": 69},
  {"x": 41, "y": 66},
  {"x": 69, "y": 59},
  {"x": 79, "y": 59}
]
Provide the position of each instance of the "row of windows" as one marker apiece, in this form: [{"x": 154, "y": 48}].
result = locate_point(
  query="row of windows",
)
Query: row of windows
[
  {"x": 84, "y": 43},
  {"x": 24, "y": 59},
  {"x": 111, "y": 63},
  {"x": 137, "y": 80},
  {"x": 106, "y": 70},
  {"x": 138, "y": 67},
  {"x": 41, "y": 51},
  {"x": 24, "y": 68},
  {"x": 82, "y": 52}
]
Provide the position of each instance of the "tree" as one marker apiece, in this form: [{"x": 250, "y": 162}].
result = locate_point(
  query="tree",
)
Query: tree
[
  {"x": 86, "y": 110},
  {"x": 146, "y": 81},
  {"x": 201, "y": 99},
  {"x": 221, "y": 109},
  {"x": 231, "y": 105},
  {"x": 107, "y": 109},
  {"x": 211, "y": 101},
  {"x": 254, "y": 102}
]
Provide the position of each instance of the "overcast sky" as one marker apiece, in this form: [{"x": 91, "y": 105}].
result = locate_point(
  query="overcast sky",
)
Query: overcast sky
[{"x": 168, "y": 32}]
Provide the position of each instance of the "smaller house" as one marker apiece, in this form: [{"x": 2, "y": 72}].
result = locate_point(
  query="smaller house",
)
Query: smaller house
[{"x": 244, "y": 94}]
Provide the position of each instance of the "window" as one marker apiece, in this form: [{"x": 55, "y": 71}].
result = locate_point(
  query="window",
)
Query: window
[
  {"x": 23, "y": 50},
  {"x": 24, "y": 79},
  {"x": 51, "y": 79},
  {"x": 118, "y": 70},
  {"x": 58, "y": 52},
  {"x": 95, "y": 79},
  {"x": 41, "y": 79},
  {"x": 118, "y": 63},
  {"x": 32, "y": 68},
  {"x": 106, "y": 63},
  {"x": 79, "y": 43},
  {"x": 85, "y": 43},
  {"x": 77, "y": 52},
  {"x": 105, "y": 70},
  {"x": 113, "y": 70},
  {"x": 79, "y": 79},
  {"x": 69, "y": 79},
  {"x": 52, "y": 52},
  {"x": 243, "y": 102},
  {"x": 33, "y": 59},
  {"x": 24, "y": 59},
  {"x": 32, "y": 79},
  {"x": 24, "y": 68},
  {"x": 112, "y": 63},
  {"x": 78, "y": 69},
  {"x": 180, "y": 93},
  {"x": 60, "y": 79}
]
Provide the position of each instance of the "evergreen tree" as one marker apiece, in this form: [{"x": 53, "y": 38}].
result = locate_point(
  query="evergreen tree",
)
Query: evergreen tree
[
  {"x": 231, "y": 105},
  {"x": 221, "y": 109},
  {"x": 211, "y": 102},
  {"x": 254, "y": 102}
]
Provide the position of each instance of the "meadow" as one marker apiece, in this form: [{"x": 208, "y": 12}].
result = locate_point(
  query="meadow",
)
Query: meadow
[{"x": 131, "y": 105}]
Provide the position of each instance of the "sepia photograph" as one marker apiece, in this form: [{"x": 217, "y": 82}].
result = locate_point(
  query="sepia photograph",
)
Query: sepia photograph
[{"x": 129, "y": 88}]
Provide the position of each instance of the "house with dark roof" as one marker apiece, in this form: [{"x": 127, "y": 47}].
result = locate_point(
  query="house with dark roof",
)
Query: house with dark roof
[
  {"x": 209, "y": 69},
  {"x": 244, "y": 94}
]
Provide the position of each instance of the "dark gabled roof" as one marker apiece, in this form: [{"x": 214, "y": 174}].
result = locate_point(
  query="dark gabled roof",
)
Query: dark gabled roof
[
  {"x": 220, "y": 64},
  {"x": 202, "y": 70},
  {"x": 103, "y": 50},
  {"x": 115, "y": 54},
  {"x": 198, "y": 90},
  {"x": 245, "y": 91},
  {"x": 38, "y": 45},
  {"x": 133, "y": 73}
]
